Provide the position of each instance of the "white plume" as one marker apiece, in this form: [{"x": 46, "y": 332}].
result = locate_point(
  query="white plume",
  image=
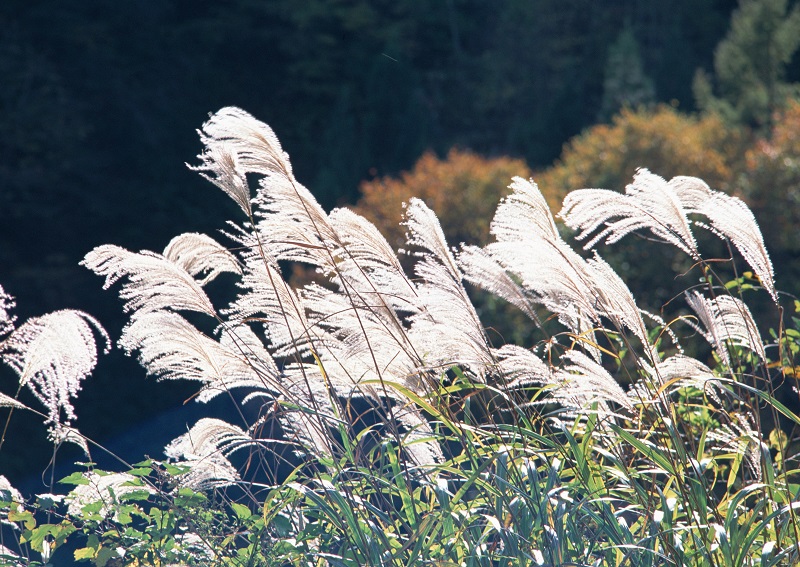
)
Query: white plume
[
  {"x": 582, "y": 382},
  {"x": 361, "y": 341},
  {"x": 268, "y": 299},
  {"x": 204, "y": 448},
  {"x": 521, "y": 368},
  {"x": 237, "y": 144},
  {"x": 154, "y": 282},
  {"x": 732, "y": 219},
  {"x": 483, "y": 270},
  {"x": 101, "y": 487},
  {"x": 198, "y": 254},
  {"x": 52, "y": 354},
  {"x": 529, "y": 247},
  {"x": 172, "y": 348},
  {"x": 672, "y": 373},
  {"x": 447, "y": 329},
  {"x": 292, "y": 225},
  {"x": 649, "y": 202},
  {"x": 7, "y": 319},
  {"x": 9, "y": 402},
  {"x": 726, "y": 319}
]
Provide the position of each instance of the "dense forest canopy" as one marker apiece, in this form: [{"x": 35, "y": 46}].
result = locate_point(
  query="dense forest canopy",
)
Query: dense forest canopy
[{"x": 100, "y": 102}]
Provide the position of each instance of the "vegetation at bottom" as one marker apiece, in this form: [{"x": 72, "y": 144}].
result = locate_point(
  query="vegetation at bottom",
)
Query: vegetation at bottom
[{"x": 376, "y": 420}]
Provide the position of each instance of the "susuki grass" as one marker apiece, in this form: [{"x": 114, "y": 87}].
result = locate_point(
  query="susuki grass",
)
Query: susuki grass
[{"x": 375, "y": 423}]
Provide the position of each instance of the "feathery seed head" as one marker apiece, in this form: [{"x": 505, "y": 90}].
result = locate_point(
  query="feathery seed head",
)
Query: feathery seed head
[
  {"x": 726, "y": 319},
  {"x": 52, "y": 354},
  {"x": 649, "y": 202},
  {"x": 730, "y": 218}
]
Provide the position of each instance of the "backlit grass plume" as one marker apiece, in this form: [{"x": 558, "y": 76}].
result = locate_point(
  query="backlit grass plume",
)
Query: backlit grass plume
[{"x": 52, "y": 354}]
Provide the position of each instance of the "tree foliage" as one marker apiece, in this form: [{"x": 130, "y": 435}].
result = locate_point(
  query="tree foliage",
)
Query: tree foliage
[
  {"x": 463, "y": 189},
  {"x": 625, "y": 83},
  {"x": 750, "y": 63},
  {"x": 771, "y": 181},
  {"x": 668, "y": 141}
]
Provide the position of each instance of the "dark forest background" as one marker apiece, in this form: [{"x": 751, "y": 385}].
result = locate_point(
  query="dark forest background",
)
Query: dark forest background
[{"x": 100, "y": 102}]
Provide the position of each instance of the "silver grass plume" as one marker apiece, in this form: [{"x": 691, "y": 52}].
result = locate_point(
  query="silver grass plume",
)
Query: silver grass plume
[
  {"x": 205, "y": 448},
  {"x": 172, "y": 348},
  {"x": 9, "y": 402},
  {"x": 236, "y": 144},
  {"x": 309, "y": 408},
  {"x": 12, "y": 500},
  {"x": 61, "y": 433},
  {"x": 690, "y": 371},
  {"x": 583, "y": 382},
  {"x": 616, "y": 302},
  {"x": 726, "y": 319},
  {"x": 368, "y": 266},
  {"x": 363, "y": 330},
  {"x": 672, "y": 373},
  {"x": 662, "y": 208},
  {"x": 292, "y": 225},
  {"x": 482, "y": 270},
  {"x": 530, "y": 248},
  {"x": 222, "y": 166},
  {"x": 7, "y": 319},
  {"x": 370, "y": 276},
  {"x": 154, "y": 282},
  {"x": 201, "y": 254},
  {"x": 263, "y": 374},
  {"x": 253, "y": 142},
  {"x": 9, "y": 494},
  {"x": 362, "y": 342},
  {"x": 740, "y": 438},
  {"x": 649, "y": 202},
  {"x": 522, "y": 368},
  {"x": 52, "y": 354},
  {"x": 364, "y": 354},
  {"x": 363, "y": 313},
  {"x": 732, "y": 219},
  {"x": 269, "y": 300},
  {"x": 447, "y": 324}
]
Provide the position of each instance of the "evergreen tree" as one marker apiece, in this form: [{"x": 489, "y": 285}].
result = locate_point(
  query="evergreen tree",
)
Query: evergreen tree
[
  {"x": 625, "y": 83},
  {"x": 750, "y": 63}
]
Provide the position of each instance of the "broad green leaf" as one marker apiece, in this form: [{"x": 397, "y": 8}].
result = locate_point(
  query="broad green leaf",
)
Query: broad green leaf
[{"x": 241, "y": 511}]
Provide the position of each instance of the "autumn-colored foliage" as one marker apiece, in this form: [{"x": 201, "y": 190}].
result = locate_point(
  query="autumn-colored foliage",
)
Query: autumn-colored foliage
[
  {"x": 463, "y": 189},
  {"x": 771, "y": 182},
  {"x": 663, "y": 140}
]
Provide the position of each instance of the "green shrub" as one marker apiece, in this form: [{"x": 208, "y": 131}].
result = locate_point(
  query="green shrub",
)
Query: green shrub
[{"x": 664, "y": 140}]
